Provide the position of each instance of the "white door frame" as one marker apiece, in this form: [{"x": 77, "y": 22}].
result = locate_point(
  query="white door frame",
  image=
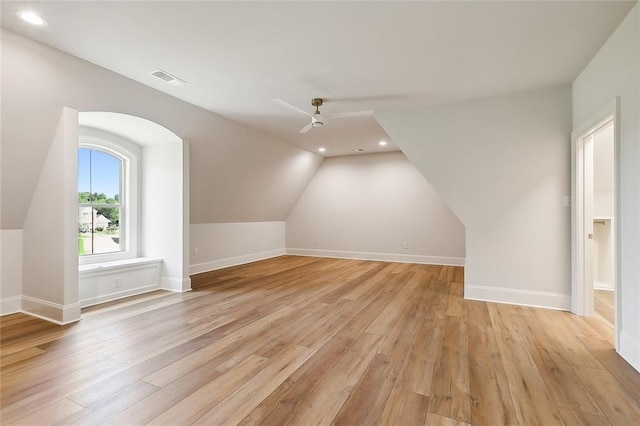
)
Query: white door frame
[{"x": 582, "y": 213}]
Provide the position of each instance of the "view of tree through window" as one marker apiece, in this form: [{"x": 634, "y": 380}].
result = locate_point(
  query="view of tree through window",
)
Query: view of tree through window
[{"x": 99, "y": 202}]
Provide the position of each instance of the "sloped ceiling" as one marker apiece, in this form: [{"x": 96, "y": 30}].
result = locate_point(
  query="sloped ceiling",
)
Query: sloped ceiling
[{"x": 238, "y": 56}]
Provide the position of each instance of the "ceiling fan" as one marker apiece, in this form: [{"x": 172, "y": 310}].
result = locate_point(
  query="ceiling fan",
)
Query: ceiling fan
[{"x": 317, "y": 119}]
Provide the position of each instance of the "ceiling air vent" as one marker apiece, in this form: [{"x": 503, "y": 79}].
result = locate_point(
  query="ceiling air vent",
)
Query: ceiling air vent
[{"x": 167, "y": 78}]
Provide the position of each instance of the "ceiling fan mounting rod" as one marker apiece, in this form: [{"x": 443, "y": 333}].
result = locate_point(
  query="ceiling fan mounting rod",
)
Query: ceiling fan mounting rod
[{"x": 317, "y": 102}]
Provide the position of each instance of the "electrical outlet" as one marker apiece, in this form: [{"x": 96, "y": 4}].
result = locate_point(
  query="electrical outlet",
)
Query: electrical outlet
[
  {"x": 316, "y": 242},
  {"x": 405, "y": 245},
  {"x": 117, "y": 283},
  {"x": 196, "y": 251},
  {"x": 566, "y": 201}
]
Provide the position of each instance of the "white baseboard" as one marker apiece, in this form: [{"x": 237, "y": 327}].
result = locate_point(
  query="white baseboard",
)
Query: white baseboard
[
  {"x": 538, "y": 299},
  {"x": 233, "y": 261},
  {"x": 110, "y": 297},
  {"x": 597, "y": 285},
  {"x": 49, "y": 311},
  {"x": 10, "y": 305},
  {"x": 179, "y": 285},
  {"x": 630, "y": 350},
  {"x": 385, "y": 257}
]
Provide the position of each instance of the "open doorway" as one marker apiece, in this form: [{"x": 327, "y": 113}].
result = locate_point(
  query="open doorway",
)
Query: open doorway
[
  {"x": 603, "y": 223},
  {"x": 595, "y": 229}
]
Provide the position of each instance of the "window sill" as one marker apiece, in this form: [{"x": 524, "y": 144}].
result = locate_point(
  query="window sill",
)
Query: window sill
[{"x": 117, "y": 265}]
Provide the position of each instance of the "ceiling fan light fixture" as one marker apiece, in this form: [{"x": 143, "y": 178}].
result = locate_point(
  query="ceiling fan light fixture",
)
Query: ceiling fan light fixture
[{"x": 317, "y": 124}]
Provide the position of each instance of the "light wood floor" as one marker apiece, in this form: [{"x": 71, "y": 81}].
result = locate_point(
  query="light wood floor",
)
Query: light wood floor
[
  {"x": 603, "y": 304},
  {"x": 308, "y": 341}
]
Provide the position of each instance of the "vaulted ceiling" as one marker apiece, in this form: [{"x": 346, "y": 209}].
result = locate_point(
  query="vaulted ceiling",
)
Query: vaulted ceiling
[{"x": 236, "y": 57}]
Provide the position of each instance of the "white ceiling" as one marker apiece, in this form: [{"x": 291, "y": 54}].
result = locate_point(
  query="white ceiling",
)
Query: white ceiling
[{"x": 238, "y": 56}]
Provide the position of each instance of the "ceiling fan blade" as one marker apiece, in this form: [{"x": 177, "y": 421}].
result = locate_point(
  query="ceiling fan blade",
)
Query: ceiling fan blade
[
  {"x": 306, "y": 128},
  {"x": 291, "y": 107},
  {"x": 350, "y": 114}
]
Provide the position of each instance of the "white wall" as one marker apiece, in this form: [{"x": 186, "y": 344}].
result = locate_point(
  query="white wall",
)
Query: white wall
[
  {"x": 237, "y": 174},
  {"x": 10, "y": 270},
  {"x": 369, "y": 206},
  {"x": 218, "y": 245},
  {"x": 50, "y": 235},
  {"x": 502, "y": 165},
  {"x": 162, "y": 194},
  {"x": 615, "y": 72}
]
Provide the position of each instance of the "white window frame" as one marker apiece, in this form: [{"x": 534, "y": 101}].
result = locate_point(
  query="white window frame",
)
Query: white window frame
[{"x": 130, "y": 154}]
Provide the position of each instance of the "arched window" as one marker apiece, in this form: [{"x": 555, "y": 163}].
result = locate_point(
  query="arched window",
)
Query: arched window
[{"x": 107, "y": 197}]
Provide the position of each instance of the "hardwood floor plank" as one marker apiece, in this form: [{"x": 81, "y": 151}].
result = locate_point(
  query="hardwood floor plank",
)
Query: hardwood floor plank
[
  {"x": 301, "y": 340},
  {"x": 198, "y": 403},
  {"x": 32, "y": 392},
  {"x": 184, "y": 365},
  {"x": 137, "y": 371},
  {"x": 620, "y": 369},
  {"x": 280, "y": 404},
  {"x": 49, "y": 414},
  {"x": 456, "y": 306},
  {"x": 616, "y": 403},
  {"x": 491, "y": 402},
  {"x": 450, "y": 389},
  {"x": 366, "y": 402},
  {"x": 436, "y": 420},
  {"x": 604, "y": 305},
  {"x": 162, "y": 400},
  {"x": 325, "y": 400},
  {"x": 23, "y": 355},
  {"x": 576, "y": 352},
  {"x": 102, "y": 411},
  {"x": 247, "y": 397},
  {"x": 530, "y": 396},
  {"x": 418, "y": 371},
  {"x": 385, "y": 320},
  {"x": 563, "y": 384},
  {"x": 576, "y": 418},
  {"x": 405, "y": 408}
]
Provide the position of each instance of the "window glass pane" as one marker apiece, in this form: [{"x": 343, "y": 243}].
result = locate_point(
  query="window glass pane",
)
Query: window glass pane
[
  {"x": 105, "y": 178},
  {"x": 98, "y": 230},
  {"x": 99, "y": 177},
  {"x": 84, "y": 175}
]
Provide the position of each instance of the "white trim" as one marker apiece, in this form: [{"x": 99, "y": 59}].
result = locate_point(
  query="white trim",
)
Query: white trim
[
  {"x": 176, "y": 284},
  {"x": 581, "y": 288},
  {"x": 385, "y": 257},
  {"x": 118, "y": 269},
  {"x": 538, "y": 299},
  {"x": 131, "y": 156},
  {"x": 49, "y": 311},
  {"x": 597, "y": 285},
  {"x": 94, "y": 269},
  {"x": 629, "y": 350},
  {"x": 119, "y": 295},
  {"x": 10, "y": 305},
  {"x": 213, "y": 265}
]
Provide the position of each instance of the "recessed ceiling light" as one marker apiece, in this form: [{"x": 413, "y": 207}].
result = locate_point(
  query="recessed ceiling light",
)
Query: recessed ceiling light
[
  {"x": 322, "y": 149},
  {"x": 382, "y": 143},
  {"x": 32, "y": 18}
]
